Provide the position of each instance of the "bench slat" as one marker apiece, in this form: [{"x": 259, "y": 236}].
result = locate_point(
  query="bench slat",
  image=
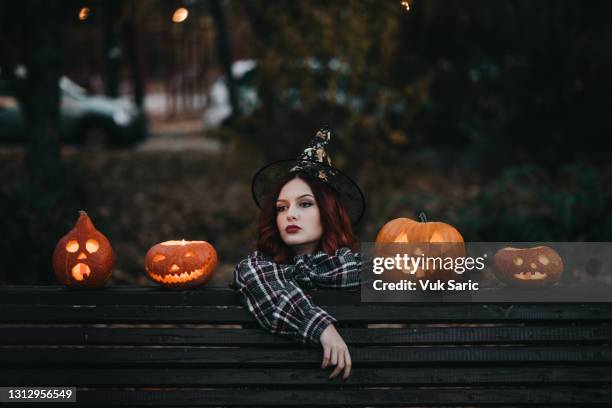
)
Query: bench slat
[
  {"x": 227, "y": 377},
  {"x": 364, "y": 313},
  {"x": 28, "y": 356},
  {"x": 144, "y": 295},
  {"x": 258, "y": 337},
  {"x": 536, "y": 396},
  {"x": 125, "y": 295},
  {"x": 207, "y": 295}
]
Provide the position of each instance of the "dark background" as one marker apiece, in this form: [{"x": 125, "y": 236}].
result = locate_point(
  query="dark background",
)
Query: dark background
[{"x": 490, "y": 116}]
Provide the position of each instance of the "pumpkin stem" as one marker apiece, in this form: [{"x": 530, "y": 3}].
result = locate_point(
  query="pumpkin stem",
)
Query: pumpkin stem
[{"x": 422, "y": 217}]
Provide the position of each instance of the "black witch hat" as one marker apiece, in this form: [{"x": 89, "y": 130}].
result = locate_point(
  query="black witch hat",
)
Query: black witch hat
[{"x": 315, "y": 162}]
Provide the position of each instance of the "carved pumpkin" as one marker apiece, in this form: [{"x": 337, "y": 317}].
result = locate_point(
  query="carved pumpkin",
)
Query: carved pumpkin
[
  {"x": 528, "y": 268},
  {"x": 83, "y": 257},
  {"x": 181, "y": 264},
  {"x": 428, "y": 239}
]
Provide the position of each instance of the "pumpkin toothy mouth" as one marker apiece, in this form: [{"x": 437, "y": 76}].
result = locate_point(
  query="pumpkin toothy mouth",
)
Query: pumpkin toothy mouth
[
  {"x": 80, "y": 271},
  {"x": 177, "y": 278},
  {"x": 530, "y": 275}
]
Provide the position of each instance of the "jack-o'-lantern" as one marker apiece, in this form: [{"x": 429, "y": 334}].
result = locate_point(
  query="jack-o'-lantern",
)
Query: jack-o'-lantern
[
  {"x": 528, "y": 268},
  {"x": 423, "y": 239},
  {"x": 83, "y": 257},
  {"x": 181, "y": 264}
]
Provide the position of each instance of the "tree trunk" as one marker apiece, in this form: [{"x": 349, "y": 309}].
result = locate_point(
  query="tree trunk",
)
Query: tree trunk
[
  {"x": 34, "y": 66},
  {"x": 37, "y": 89},
  {"x": 224, "y": 51},
  {"x": 135, "y": 56},
  {"x": 112, "y": 46}
]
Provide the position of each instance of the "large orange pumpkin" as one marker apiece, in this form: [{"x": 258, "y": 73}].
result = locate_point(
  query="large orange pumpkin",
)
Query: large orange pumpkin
[
  {"x": 428, "y": 239},
  {"x": 407, "y": 230},
  {"x": 83, "y": 257},
  {"x": 181, "y": 264}
]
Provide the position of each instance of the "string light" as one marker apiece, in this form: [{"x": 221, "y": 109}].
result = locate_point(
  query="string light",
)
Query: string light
[
  {"x": 180, "y": 15},
  {"x": 406, "y": 5},
  {"x": 84, "y": 13}
]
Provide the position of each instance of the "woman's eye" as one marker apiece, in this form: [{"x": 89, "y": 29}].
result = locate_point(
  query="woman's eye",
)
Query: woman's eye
[
  {"x": 305, "y": 204},
  {"x": 281, "y": 208}
]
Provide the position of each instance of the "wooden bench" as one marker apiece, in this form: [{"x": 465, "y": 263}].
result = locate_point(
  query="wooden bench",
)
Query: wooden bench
[{"x": 148, "y": 346}]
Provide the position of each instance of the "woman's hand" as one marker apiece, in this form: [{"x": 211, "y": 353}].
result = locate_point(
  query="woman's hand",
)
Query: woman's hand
[{"x": 336, "y": 352}]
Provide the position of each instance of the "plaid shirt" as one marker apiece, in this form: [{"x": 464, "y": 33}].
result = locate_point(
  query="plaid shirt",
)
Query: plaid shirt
[{"x": 273, "y": 292}]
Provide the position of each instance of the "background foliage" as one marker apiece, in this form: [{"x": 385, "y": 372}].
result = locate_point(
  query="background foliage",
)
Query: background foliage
[{"x": 491, "y": 116}]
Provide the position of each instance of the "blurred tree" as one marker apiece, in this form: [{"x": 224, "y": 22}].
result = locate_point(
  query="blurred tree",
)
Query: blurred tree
[
  {"x": 112, "y": 10},
  {"x": 320, "y": 63},
  {"x": 135, "y": 55},
  {"x": 516, "y": 77},
  {"x": 225, "y": 54},
  {"x": 32, "y": 64}
]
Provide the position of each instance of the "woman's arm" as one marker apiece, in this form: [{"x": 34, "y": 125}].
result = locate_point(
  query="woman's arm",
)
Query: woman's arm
[
  {"x": 340, "y": 270},
  {"x": 279, "y": 304}
]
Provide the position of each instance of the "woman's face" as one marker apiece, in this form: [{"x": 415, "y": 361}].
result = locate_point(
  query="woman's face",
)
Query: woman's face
[{"x": 298, "y": 218}]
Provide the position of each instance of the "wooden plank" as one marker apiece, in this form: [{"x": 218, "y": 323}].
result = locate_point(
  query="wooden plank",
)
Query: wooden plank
[
  {"x": 68, "y": 356},
  {"x": 123, "y": 314},
  {"x": 144, "y": 295},
  {"x": 534, "y": 396},
  {"x": 207, "y": 295},
  {"x": 84, "y": 335},
  {"x": 233, "y": 377},
  {"x": 479, "y": 335},
  {"x": 392, "y": 313}
]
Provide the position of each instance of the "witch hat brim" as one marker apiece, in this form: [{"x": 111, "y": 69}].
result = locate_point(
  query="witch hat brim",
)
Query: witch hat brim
[{"x": 268, "y": 177}]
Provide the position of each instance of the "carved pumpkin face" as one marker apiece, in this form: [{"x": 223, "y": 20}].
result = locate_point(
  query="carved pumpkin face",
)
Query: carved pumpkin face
[
  {"x": 181, "y": 264},
  {"x": 429, "y": 239},
  {"x": 535, "y": 267},
  {"x": 84, "y": 256}
]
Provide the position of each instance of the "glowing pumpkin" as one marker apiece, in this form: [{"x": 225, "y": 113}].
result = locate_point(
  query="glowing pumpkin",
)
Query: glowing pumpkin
[
  {"x": 528, "y": 268},
  {"x": 425, "y": 239},
  {"x": 407, "y": 230},
  {"x": 181, "y": 264},
  {"x": 83, "y": 257}
]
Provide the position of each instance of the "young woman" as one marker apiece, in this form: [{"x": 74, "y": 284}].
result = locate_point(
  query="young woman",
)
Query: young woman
[{"x": 305, "y": 241}]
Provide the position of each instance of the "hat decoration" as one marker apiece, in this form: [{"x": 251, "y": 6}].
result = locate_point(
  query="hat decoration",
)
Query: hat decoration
[{"x": 314, "y": 161}]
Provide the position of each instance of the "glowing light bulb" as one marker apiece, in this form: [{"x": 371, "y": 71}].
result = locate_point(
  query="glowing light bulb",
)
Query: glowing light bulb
[
  {"x": 406, "y": 5},
  {"x": 180, "y": 15},
  {"x": 84, "y": 13}
]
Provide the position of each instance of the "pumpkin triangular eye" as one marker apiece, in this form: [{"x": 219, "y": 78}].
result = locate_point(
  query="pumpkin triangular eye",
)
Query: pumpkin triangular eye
[
  {"x": 158, "y": 257},
  {"x": 72, "y": 246},
  {"x": 436, "y": 237},
  {"x": 401, "y": 238},
  {"x": 92, "y": 245},
  {"x": 189, "y": 253}
]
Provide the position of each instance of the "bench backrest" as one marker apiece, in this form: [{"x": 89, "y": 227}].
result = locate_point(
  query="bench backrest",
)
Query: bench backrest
[{"x": 154, "y": 347}]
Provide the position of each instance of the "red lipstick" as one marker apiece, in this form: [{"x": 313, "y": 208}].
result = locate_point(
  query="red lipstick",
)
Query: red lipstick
[{"x": 292, "y": 229}]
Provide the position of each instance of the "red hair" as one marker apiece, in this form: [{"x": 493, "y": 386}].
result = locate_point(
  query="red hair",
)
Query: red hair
[{"x": 337, "y": 227}]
